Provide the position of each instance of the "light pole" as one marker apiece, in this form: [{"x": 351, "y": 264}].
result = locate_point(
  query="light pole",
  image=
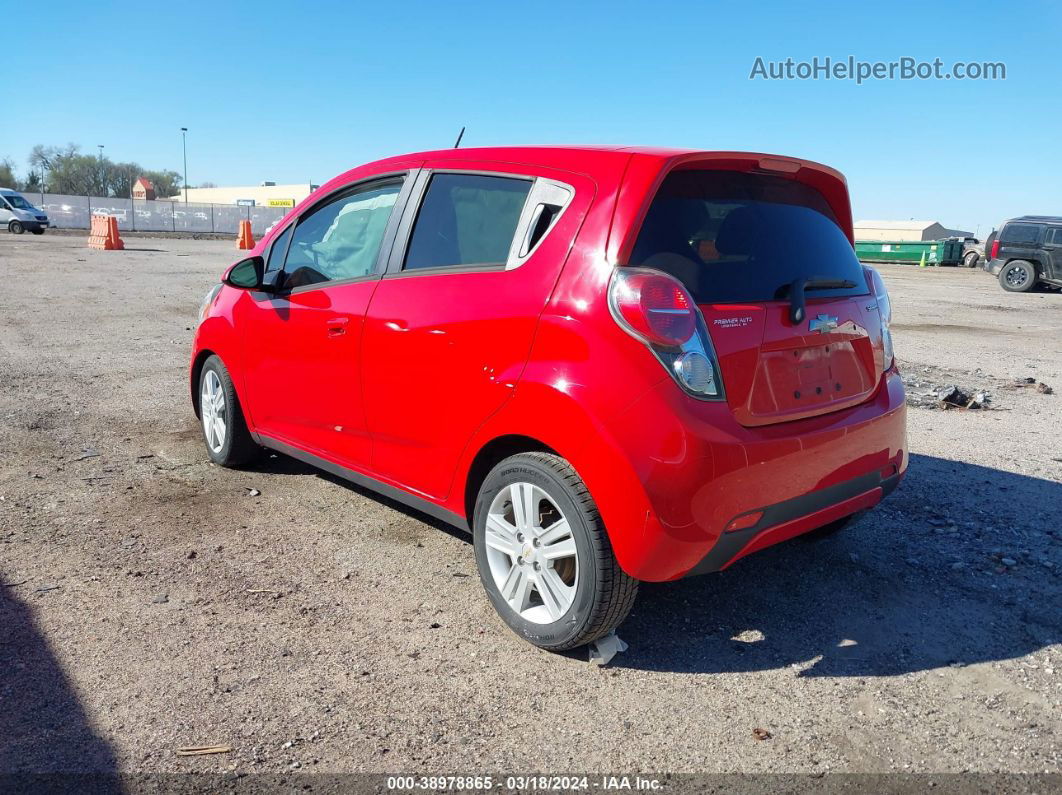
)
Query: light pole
[
  {"x": 184, "y": 146},
  {"x": 132, "y": 204},
  {"x": 103, "y": 188}
]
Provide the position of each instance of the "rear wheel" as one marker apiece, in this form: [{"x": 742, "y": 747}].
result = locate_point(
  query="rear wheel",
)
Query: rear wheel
[
  {"x": 543, "y": 554},
  {"x": 1018, "y": 276},
  {"x": 15, "y": 228},
  {"x": 228, "y": 441},
  {"x": 971, "y": 258}
]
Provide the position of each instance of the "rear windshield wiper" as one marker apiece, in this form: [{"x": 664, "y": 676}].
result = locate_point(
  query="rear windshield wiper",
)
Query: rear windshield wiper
[{"x": 796, "y": 288}]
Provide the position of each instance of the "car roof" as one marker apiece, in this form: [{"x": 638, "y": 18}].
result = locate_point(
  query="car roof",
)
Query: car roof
[
  {"x": 585, "y": 159},
  {"x": 1037, "y": 219},
  {"x": 8, "y": 192}
]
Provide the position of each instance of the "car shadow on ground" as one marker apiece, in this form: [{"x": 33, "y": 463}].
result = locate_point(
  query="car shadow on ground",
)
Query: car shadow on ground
[
  {"x": 278, "y": 463},
  {"x": 897, "y": 593},
  {"x": 889, "y": 595},
  {"x": 43, "y": 727}
]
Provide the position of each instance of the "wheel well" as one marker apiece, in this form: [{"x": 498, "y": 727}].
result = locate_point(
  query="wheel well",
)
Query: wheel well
[
  {"x": 489, "y": 456},
  {"x": 197, "y": 368}
]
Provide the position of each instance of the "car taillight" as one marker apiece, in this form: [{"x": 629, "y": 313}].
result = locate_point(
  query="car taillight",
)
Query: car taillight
[
  {"x": 881, "y": 298},
  {"x": 655, "y": 306},
  {"x": 995, "y": 249},
  {"x": 658, "y": 310}
]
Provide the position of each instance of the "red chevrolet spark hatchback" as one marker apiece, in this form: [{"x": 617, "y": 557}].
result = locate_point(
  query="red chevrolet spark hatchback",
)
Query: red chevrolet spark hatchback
[{"x": 611, "y": 365}]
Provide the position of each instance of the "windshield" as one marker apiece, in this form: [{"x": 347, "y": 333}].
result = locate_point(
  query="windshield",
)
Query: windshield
[
  {"x": 16, "y": 201},
  {"x": 733, "y": 237}
]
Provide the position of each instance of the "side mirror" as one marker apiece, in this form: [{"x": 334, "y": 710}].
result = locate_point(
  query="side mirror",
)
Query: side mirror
[{"x": 247, "y": 274}]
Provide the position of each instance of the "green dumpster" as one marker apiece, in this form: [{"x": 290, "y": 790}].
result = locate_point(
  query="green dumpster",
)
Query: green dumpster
[{"x": 937, "y": 252}]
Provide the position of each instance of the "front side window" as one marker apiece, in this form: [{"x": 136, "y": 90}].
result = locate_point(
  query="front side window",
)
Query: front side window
[
  {"x": 1019, "y": 233},
  {"x": 732, "y": 237},
  {"x": 342, "y": 239},
  {"x": 466, "y": 220},
  {"x": 18, "y": 202},
  {"x": 1054, "y": 236}
]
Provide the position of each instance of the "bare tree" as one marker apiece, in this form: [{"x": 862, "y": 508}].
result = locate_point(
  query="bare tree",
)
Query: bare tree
[{"x": 7, "y": 174}]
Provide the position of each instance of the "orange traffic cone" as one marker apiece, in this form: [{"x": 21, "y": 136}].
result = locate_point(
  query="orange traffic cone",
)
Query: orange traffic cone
[
  {"x": 114, "y": 240},
  {"x": 245, "y": 240},
  {"x": 103, "y": 233}
]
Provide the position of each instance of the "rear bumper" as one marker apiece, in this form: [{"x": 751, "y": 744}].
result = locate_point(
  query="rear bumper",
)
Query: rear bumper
[
  {"x": 799, "y": 515},
  {"x": 994, "y": 266},
  {"x": 700, "y": 471}
]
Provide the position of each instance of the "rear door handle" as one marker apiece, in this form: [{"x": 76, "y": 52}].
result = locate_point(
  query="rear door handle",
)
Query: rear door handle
[{"x": 337, "y": 326}]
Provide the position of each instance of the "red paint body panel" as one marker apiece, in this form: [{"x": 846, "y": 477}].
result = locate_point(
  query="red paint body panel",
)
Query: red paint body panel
[
  {"x": 443, "y": 351},
  {"x": 301, "y": 369},
  {"x": 434, "y": 366}
]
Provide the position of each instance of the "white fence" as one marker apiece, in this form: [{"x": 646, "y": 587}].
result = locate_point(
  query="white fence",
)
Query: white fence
[{"x": 134, "y": 215}]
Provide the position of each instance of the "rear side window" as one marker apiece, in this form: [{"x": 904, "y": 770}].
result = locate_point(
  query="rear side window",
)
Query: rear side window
[
  {"x": 466, "y": 219},
  {"x": 1019, "y": 233},
  {"x": 736, "y": 237}
]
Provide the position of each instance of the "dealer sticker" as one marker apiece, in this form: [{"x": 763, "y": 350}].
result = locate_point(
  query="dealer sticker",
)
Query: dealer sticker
[{"x": 732, "y": 322}]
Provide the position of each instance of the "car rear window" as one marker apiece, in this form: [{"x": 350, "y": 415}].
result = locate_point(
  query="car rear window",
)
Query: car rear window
[
  {"x": 1019, "y": 233},
  {"x": 733, "y": 237}
]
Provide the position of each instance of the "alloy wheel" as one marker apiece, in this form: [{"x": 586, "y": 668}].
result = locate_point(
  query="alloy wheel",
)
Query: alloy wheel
[
  {"x": 531, "y": 552},
  {"x": 1016, "y": 277},
  {"x": 212, "y": 409}
]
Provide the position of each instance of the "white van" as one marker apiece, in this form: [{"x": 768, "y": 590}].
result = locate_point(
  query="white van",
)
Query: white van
[{"x": 18, "y": 215}]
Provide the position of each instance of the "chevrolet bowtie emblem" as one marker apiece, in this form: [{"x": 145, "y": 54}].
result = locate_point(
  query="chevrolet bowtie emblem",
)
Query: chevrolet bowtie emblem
[{"x": 823, "y": 324}]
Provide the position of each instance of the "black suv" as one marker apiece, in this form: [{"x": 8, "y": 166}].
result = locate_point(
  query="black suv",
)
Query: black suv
[{"x": 1026, "y": 252}]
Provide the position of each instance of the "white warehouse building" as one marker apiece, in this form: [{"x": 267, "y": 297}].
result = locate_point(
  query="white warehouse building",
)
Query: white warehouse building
[
  {"x": 905, "y": 231},
  {"x": 267, "y": 194}
]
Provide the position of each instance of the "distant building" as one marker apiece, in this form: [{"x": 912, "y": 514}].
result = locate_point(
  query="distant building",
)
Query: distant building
[
  {"x": 905, "y": 231},
  {"x": 265, "y": 195},
  {"x": 143, "y": 189}
]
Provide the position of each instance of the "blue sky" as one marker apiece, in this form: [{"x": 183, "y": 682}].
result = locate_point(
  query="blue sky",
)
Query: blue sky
[{"x": 297, "y": 92}]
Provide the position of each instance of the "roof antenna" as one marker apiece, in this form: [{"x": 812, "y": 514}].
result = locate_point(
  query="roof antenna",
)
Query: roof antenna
[{"x": 460, "y": 135}]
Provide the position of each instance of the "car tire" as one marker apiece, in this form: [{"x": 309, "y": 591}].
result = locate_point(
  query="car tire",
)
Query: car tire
[
  {"x": 15, "y": 228},
  {"x": 554, "y": 600},
  {"x": 225, "y": 433},
  {"x": 971, "y": 259},
  {"x": 1018, "y": 276}
]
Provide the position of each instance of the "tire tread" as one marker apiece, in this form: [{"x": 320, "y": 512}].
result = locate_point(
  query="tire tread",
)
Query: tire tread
[{"x": 618, "y": 590}]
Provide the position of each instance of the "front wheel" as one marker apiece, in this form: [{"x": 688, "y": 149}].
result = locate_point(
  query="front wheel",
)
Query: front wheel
[
  {"x": 543, "y": 554},
  {"x": 971, "y": 258},
  {"x": 1018, "y": 276},
  {"x": 15, "y": 228},
  {"x": 225, "y": 433}
]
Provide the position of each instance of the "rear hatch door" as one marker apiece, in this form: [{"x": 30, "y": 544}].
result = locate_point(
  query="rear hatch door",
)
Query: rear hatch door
[
  {"x": 775, "y": 370},
  {"x": 747, "y": 245}
]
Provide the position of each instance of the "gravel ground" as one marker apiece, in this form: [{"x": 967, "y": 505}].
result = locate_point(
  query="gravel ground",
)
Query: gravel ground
[{"x": 149, "y": 602}]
